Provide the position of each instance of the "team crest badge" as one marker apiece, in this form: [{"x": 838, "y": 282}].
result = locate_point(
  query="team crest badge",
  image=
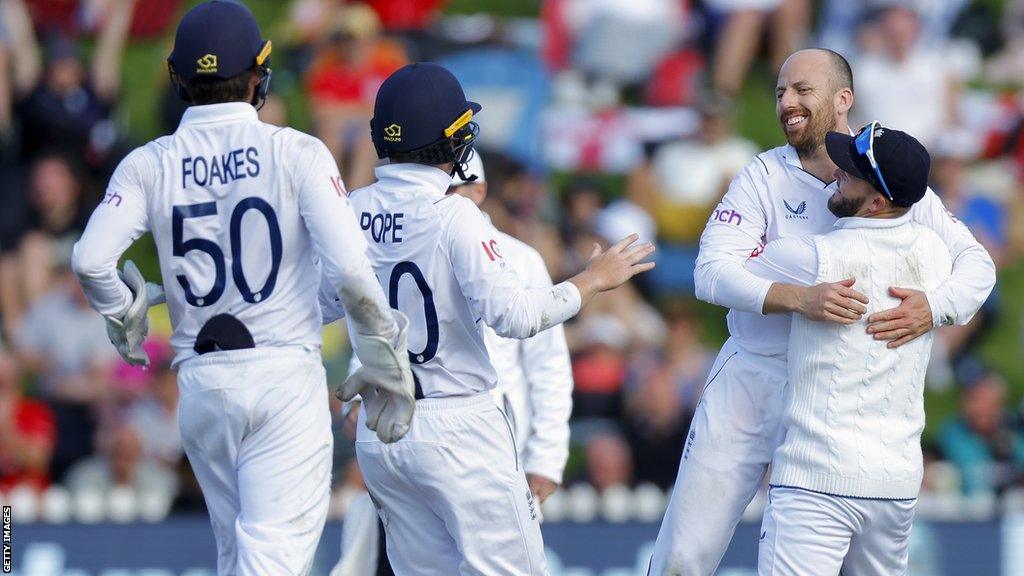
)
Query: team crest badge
[
  {"x": 393, "y": 133},
  {"x": 207, "y": 64}
]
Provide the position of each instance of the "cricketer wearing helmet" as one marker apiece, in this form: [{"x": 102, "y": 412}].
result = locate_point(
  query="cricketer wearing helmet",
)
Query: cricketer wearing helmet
[
  {"x": 246, "y": 217},
  {"x": 534, "y": 391},
  {"x": 451, "y": 494}
]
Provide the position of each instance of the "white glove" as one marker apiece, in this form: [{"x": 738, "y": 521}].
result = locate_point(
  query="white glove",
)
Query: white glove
[
  {"x": 384, "y": 381},
  {"x": 128, "y": 333}
]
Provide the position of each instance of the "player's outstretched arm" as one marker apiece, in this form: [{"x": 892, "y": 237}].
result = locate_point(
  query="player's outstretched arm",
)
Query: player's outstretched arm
[
  {"x": 500, "y": 297},
  {"x": 609, "y": 269}
]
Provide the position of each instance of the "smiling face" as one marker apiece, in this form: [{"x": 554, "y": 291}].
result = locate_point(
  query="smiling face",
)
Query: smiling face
[{"x": 809, "y": 101}]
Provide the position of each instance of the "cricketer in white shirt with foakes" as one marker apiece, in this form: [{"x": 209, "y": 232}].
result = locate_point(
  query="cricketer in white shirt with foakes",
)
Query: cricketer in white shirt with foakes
[{"x": 845, "y": 479}]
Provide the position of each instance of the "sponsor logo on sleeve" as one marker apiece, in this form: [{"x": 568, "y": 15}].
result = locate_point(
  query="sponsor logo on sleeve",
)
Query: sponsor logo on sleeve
[
  {"x": 339, "y": 186},
  {"x": 491, "y": 248},
  {"x": 726, "y": 216},
  {"x": 112, "y": 197}
]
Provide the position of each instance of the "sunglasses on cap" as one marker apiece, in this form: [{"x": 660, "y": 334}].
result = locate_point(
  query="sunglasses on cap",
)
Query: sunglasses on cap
[{"x": 865, "y": 144}]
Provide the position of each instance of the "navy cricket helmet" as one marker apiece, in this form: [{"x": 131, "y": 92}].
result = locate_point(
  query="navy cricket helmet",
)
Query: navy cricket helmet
[
  {"x": 421, "y": 112},
  {"x": 219, "y": 39}
]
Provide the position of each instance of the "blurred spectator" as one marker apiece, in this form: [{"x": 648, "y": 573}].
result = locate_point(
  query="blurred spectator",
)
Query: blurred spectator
[
  {"x": 350, "y": 63},
  {"x": 67, "y": 103},
  {"x": 407, "y": 15},
  {"x": 598, "y": 366},
  {"x": 686, "y": 178},
  {"x": 609, "y": 462},
  {"x": 984, "y": 441},
  {"x": 64, "y": 342},
  {"x": 987, "y": 220},
  {"x": 841, "y": 18},
  {"x": 122, "y": 463},
  {"x": 983, "y": 214},
  {"x": 661, "y": 396},
  {"x": 598, "y": 47},
  {"x": 155, "y": 416},
  {"x": 743, "y": 23},
  {"x": 27, "y": 432},
  {"x": 57, "y": 216},
  {"x": 901, "y": 83},
  {"x": 517, "y": 201}
]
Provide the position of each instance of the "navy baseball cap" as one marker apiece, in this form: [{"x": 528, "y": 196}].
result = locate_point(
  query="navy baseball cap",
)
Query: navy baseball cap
[
  {"x": 418, "y": 105},
  {"x": 894, "y": 162},
  {"x": 219, "y": 39}
]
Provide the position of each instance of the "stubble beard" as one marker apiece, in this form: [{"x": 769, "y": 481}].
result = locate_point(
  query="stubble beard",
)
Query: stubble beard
[
  {"x": 812, "y": 138},
  {"x": 843, "y": 207}
]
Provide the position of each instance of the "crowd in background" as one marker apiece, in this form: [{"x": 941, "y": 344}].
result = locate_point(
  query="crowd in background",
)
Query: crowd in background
[{"x": 637, "y": 130}]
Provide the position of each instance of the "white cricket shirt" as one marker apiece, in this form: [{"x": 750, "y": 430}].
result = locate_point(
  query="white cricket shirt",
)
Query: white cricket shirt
[
  {"x": 244, "y": 215},
  {"x": 854, "y": 409},
  {"x": 442, "y": 264},
  {"x": 772, "y": 198}
]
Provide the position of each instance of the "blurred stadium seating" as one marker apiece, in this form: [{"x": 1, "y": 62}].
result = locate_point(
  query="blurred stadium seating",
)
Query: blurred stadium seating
[{"x": 599, "y": 116}]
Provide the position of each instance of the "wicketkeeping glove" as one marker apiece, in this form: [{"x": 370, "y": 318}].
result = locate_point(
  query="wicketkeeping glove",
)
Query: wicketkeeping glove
[
  {"x": 128, "y": 333},
  {"x": 384, "y": 381}
]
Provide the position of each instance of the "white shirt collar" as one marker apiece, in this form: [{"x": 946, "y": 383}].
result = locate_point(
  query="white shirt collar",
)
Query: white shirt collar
[
  {"x": 222, "y": 112},
  {"x": 858, "y": 222},
  {"x": 429, "y": 178}
]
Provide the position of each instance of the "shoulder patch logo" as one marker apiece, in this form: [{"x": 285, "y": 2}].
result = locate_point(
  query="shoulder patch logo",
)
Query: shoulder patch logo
[
  {"x": 207, "y": 64},
  {"x": 393, "y": 133},
  {"x": 800, "y": 209}
]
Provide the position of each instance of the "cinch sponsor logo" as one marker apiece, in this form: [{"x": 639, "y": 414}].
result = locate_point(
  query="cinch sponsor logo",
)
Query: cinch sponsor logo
[{"x": 727, "y": 216}]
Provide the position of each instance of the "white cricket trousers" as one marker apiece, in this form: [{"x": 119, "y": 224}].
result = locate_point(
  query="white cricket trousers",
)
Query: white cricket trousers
[
  {"x": 735, "y": 430},
  {"x": 451, "y": 494},
  {"x": 256, "y": 428},
  {"x": 808, "y": 533}
]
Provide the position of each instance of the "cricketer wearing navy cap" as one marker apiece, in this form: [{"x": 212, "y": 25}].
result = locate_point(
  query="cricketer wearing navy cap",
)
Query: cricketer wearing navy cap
[
  {"x": 893, "y": 163},
  {"x": 219, "y": 40},
  {"x": 845, "y": 479}
]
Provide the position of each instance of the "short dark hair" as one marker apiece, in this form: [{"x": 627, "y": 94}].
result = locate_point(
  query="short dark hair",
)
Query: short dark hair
[
  {"x": 209, "y": 90},
  {"x": 841, "y": 74}
]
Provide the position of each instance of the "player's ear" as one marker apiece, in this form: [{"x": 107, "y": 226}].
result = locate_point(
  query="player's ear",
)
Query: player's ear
[{"x": 843, "y": 101}]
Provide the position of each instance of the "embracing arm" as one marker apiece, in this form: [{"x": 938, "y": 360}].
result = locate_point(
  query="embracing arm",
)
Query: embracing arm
[
  {"x": 957, "y": 300},
  {"x": 736, "y": 232}
]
